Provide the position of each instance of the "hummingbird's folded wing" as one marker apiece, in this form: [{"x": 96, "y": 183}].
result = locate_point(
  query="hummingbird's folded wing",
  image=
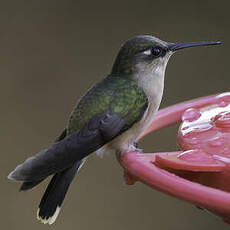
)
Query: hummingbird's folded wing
[{"x": 63, "y": 154}]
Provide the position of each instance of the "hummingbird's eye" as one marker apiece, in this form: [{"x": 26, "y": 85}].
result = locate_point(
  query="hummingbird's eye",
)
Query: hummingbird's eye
[{"x": 156, "y": 51}]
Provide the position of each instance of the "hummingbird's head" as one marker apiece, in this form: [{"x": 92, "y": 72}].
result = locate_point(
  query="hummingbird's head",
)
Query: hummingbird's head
[{"x": 148, "y": 54}]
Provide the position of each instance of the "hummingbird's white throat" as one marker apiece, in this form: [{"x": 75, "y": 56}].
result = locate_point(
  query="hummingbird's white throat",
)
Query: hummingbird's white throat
[{"x": 150, "y": 77}]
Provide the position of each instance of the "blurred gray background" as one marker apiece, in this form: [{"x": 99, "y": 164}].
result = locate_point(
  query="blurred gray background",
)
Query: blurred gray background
[{"x": 50, "y": 53}]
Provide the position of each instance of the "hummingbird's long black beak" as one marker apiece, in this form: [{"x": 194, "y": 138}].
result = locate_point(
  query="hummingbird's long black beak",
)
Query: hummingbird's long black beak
[{"x": 178, "y": 46}]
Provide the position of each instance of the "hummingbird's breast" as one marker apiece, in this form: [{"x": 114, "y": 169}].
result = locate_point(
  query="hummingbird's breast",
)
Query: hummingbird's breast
[{"x": 153, "y": 89}]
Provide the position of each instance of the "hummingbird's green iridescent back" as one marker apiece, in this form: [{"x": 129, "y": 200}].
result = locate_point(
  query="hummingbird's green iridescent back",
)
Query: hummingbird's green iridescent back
[{"x": 119, "y": 94}]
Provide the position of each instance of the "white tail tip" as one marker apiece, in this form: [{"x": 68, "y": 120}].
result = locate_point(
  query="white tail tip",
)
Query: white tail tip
[{"x": 51, "y": 219}]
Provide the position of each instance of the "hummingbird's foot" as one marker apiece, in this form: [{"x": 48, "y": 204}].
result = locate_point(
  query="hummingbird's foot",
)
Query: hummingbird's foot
[
  {"x": 135, "y": 144},
  {"x": 139, "y": 150},
  {"x": 134, "y": 148}
]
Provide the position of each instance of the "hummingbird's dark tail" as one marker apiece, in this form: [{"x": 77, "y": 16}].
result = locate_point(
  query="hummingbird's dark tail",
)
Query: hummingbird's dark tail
[{"x": 54, "y": 195}]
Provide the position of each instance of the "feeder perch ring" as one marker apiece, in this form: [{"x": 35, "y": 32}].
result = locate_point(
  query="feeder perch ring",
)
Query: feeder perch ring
[{"x": 200, "y": 172}]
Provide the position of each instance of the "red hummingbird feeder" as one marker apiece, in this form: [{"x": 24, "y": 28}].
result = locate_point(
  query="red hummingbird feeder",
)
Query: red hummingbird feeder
[{"x": 200, "y": 172}]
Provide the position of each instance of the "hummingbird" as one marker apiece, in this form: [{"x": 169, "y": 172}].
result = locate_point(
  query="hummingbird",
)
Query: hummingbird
[{"x": 109, "y": 118}]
